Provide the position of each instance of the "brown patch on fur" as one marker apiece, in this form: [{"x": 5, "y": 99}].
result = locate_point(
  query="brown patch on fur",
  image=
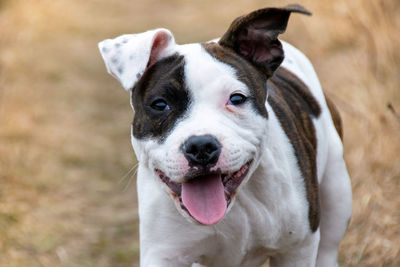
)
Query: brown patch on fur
[
  {"x": 163, "y": 80},
  {"x": 337, "y": 120},
  {"x": 295, "y": 107}
]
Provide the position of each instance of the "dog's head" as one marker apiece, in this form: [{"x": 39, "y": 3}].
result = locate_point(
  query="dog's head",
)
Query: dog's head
[{"x": 200, "y": 117}]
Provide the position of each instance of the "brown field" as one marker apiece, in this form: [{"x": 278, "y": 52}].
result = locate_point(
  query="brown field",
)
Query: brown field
[{"x": 67, "y": 197}]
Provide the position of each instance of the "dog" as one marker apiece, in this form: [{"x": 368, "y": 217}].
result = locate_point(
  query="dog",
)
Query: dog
[{"x": 240, "y": 153}]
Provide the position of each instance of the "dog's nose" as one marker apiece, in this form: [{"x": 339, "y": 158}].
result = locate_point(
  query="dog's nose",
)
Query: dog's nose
[{"x": 202, "y": 150}]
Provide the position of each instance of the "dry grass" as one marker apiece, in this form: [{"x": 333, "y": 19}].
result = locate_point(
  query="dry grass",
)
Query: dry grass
[{"x": 64, "y": 123}]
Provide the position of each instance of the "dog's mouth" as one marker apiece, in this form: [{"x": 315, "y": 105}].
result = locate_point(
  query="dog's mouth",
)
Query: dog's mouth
[{"x": 207, "y": 197}]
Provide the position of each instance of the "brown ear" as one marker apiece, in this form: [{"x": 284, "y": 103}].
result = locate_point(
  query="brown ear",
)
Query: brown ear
[{"x": 255, "y": 36}]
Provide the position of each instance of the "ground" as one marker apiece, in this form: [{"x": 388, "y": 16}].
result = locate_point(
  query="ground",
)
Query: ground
[{"x": 67, "y": 171}]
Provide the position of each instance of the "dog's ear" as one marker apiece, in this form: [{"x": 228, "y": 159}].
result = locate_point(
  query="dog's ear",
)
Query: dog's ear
[
  {"x": 255, "y": 36},
  {"x": 128, "y": 56}
]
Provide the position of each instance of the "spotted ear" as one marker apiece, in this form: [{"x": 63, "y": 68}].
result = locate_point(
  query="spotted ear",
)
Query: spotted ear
[
  {"x": 128, "y": 56},
  {"x": 255, "y": 36}
]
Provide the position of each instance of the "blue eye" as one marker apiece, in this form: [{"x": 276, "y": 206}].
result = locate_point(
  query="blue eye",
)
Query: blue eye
[
  {"x": 237, "y": 99},
  {"x": 159, "y": 105}
]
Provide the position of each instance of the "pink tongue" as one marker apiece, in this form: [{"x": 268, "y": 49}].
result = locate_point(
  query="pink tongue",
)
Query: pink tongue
[{"x": 204, "y": 198}]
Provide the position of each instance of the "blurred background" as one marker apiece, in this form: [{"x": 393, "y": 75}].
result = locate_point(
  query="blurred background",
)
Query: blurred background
[{"x": 67, "y": 171}]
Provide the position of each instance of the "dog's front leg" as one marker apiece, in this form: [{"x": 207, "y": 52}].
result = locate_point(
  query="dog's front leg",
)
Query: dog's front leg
[
  {"x": 161, "y": 263},
  {"x": 156, "y": 260},
  {"x": 303, "y": 255},
  {"x": 164, "y": 258}
]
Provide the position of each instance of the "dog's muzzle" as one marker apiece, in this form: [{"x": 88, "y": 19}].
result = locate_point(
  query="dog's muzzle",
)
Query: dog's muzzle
[{"x": 206, "y": 197}]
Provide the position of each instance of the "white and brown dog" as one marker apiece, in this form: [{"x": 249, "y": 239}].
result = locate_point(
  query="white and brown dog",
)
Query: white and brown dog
[{"x": 240, "y": 154}]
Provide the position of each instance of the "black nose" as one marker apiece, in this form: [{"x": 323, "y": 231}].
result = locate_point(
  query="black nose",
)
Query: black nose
[{"x": 202, "y": 151}]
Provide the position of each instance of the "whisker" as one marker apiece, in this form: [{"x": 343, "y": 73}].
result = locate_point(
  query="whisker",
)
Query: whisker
[
  {"x": 123, "y": 178},
  {"x": 130, "y": 179}
]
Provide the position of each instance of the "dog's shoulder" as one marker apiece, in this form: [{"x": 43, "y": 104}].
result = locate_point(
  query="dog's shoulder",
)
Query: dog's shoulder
[{"x": 295, "y": 107}]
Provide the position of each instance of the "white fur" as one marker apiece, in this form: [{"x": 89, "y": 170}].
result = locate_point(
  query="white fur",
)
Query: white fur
[
  {"x": 126, "y": 57},
  {"x": 269, "y": 218}
]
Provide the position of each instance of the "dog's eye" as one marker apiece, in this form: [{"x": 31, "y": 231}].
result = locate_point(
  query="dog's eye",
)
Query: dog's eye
[
  {"x": 237, "y": 99},
  {"x": 159, "y": 105}
]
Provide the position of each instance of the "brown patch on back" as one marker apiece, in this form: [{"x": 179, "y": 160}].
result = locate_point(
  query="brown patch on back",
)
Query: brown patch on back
[
  {"x": 295, "y": 107},
  {"x": 337, "y": 120}
]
